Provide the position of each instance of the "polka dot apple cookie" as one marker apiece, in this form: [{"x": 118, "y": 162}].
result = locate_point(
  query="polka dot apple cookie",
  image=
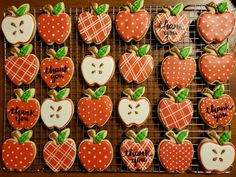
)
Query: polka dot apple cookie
[
  {"x": 18, "y": 153},
  {"x": 55, "y": 26},
  {"x": 216, "y": 24},
  {"x": 178, "y": 70},
  {"x": 95, "y": 153},
  {"x": 217, "y": 109},
  {"x": 216, "y": 65},
  {"x": 175, "y": 153}
]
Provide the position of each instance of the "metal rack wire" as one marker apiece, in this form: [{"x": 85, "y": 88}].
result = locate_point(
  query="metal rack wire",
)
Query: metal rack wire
[{"x": 155, "y": 88}]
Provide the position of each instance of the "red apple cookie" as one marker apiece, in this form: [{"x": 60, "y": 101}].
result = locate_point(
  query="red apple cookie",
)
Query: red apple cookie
[
  {"x": 216, "y": 65},
  {"x": 179, "y": 69},
  {"x": 216, "y": 24},
  {"x": 55, "y": 25},
  {"x": 175, "y": 112},
  {"x": 95, "y": 153},
  {"x": 133, "y": 23},
  {"x": 171, "y": 25},
  {"x": 217, "y": 109},
  {"x": 60, "y": 153},
  {"x": 176, "y": 153},
  {"x": 216, "y": 154},
  {"x": 24, "y": 111},
  {"x": 22, "y": 68},
  {"x": 137, "y": 152},
  {"x": 136, "y": 66},
  {"x": 19, "y": 27},
  {"x": 95, "y": 109},
  {"x": 18, "y": 153},
  {"x": 57, "y": 70},
  {"x": 95, "y": 27}
]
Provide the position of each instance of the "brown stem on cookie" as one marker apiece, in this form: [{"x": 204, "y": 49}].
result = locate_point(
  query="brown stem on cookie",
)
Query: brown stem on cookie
[
  {"x": 131, "y": 134},
  {"x": 16, "y": 134},
  {"x": 89, "y": 92},
  {"x": 175, "y": 51},
  {"x": 208, "y": 92},
  {"x": 48, "y": 8},
  {"x": 214, "y": 136},
  {"x": 167, "y": 10},
  {"x": 12, "y": 10},
  {"x": 93, "y": 50},
  {"x": 92, "y": 134},
  {"x": 54, "y": 136},
  {"x": 133, "y": 49},
  {"x": 18, "y": 93},
  {"x": 15, "y": 51},
  {"x": 128, "y": 92},
  {"x": 211, "y": 7},
  {"x": 53, "y": 94},
  {"x": 210, "y": 49},
  {"x": 51, "y": 53},
  {"x": 171, "y": 94}
]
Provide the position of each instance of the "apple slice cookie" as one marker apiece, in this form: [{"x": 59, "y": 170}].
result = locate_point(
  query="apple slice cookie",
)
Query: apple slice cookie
[
  {"x": 99, "y": 67},
  {"x": 216, "y": 154},
  {"x": 95, "y": 153},
  {"x": 216, "y": 65},
  {"x": 24, "y": 111},
  {"x": 133, "y": 22},
  {"x": 175, "y": 112},
  {"x": 57, "y": 70},
  {"x": 18, "y": 153},
  {"x": 57, "y": 111},
  {"x": 54, "y": 26},
  {"x": 134, "y": 109},
  {"x": 217, "y": 109},
  {"x": 176, "y": 153},
  {"x": 59, "y": 154},
  {"x": 171, "y": 25},
  {"x": 136, "y": 65},
  {"x": 138, "y": 151},
  {"x": 19, "y": 27},
  {"x": 96, "y": 108},
  {"x": 178, "y": 69},
  {"x": 22, "y": 67},
  {"x": 216, "y": 24},
  {"x": 95, "y": 26}
]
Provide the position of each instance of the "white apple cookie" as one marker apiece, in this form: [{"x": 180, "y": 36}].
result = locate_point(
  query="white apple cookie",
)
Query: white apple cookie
[
  {"x": 134, "y": 109},
  {"x": 99, "y": 67},
  {"x": 216, "y": 154},
  {"x": 57, "y": 111}
]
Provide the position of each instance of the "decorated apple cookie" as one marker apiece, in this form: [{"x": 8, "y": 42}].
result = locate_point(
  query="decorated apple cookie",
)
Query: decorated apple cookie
[
  {"x": 57, "y": 70},
  {"x": 96, "y": 108},
  {"x": 217, "y": 109},
  {"x": 24, "y": 111},
  {"x": 57, "y": 111},
  {"x": 171, "y": 25},
  {"x": 95, "y": 153},
  {"x": 99, "y": 67},
  {"x": 138, "y": 151},
  {"x": 176, "y": 111},
  {"x": 216, "y": 24},
  {"x": 216, "y": 65},
  {"x": 178, "y": 69},
  {"x": 95, "y": 26},
  {"x": 22, "y": 67},
  {"x": 19, "y": 27},
  {"x": 60, "y": 153},
  {"x": 134, "y": 109},
  {"x": 176, "y": 153},
  {"x": 54, "y": 26},
  {"x": 18, "y": 153},
  {"x": 133, "y": 22},
  {"x": 136, "y": 65},
  {"x": 216, "y": 154}
]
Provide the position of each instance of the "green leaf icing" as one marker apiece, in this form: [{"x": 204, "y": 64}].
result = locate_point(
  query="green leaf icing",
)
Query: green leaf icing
[
  {"x": 102, "y": 9},
  {"x": 137, "y": 5},
  {"x": 25, "y": 50},
  {"x": 61, "y": 52},
  {"x": 182, "y": 94},
  {"x": 99, "y": 92},
  {"x": 143, "y": 50},
  {"x": 24, "y": 137},
  {"x": 62, "y": 94},
  {"x": 177, "y": 9},
  {"x": 181, "y": 136},
  {"x": 26, "y": 95},
  {"x": 103, "y": 51},
  {"x": 225, "y": 137},
  {"x": 100, "y": 136},
  {"x": 21, "y": 10},
  {"x": 61, "y": 137},
  {"x": 184, "y": 53},
  {"x": 138, "y": 93},
  {"x": 58, "y": 8},
  {"x": 222, "y": 7},
  {"x": 218, "y": 91},
  {"x": 141, "y": 135},
  {"x": 222, "y": 49}
]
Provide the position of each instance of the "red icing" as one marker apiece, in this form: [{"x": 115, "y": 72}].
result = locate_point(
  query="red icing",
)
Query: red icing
[
  {"x": 132, "y": 25},
  {"x": 22, "y": 70},
  {"x": 61, "y": 78},
  {"x": 17, "y": 156},
  {"x": 134, "y": 68},
  {"x": 175, "y": 115},
  {"x": 95, "y": 156},
  {"x": 175, "y": 157},
  {"x": 215, "y": 27},
  {"x": 94, "y": 28},
  {"x": 54, "y": 28},
  {"x": 178, "y": 72},
  {"x": 215, "y": 68},
  {"x": 222, "y": 116},
  {"x": 95, "y": 111}
]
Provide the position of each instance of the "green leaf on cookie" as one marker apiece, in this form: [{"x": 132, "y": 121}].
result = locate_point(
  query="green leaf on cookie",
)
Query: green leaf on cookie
[
  {"x": 26, "y": 49},
  {"x": 181, "y": 136},
  {"x": 62, "y": 94},
  {"x": 222, "y": 7},
  {"x": 184, "y": 53},
  {"x": 62, "y": 52},
  {"x": 177, "y": 9},
  {"x": 225, "y": 137},
  {"x": 218, "y": 91},
  {"x": 22, "y": 9},
  {"x": 103, "y": 51},
  {"x": 143, "y": 50},
  {"x": 100, "y": 136},
  {"x": 58, "y": 8},
  {"x": 102, "y": 9},
  {"x": 99, "y": 92},
  {"x": 63, "y": 135},
  {"x": 222, "y": 49},
  {"x": 181, "y": 95},
  {"x": 138, "y": 93},
  {"x": 25, "y": 136},
  {"x": 137, "y": 5},
  {"x": 142, "y": 134}
]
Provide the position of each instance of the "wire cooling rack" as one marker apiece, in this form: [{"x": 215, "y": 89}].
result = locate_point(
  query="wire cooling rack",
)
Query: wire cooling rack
[{"x": 155, "y": 88}]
